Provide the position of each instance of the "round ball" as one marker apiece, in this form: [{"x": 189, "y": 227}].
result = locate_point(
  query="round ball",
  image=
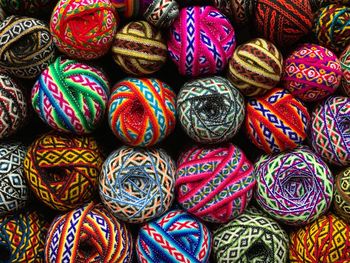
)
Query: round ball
[
  {"x": 174, "y": 237},
  {"x": 201, "y": 41},
  {"x": 83, "y": 29},
  {"x": 240, "y": 11},
  {"x": 294, "y": 187},
  {"x": 210, "y": 109},
  {"x": 341, "y": 198},
  {"x": 214, "y": 184},
  {"x": 26, "y": 46},
  {"x": 88, "y": 234},
  {"x": 139, "y": 49},
  {"x": 162, "y": 13},
  {"x": 330, "y": 130},
  {"x": 141, "y": 112},
  {"x": 255, "y": 67},
  {"x": 251, "y": 237},
  {"x": 137, "y": 184},
  {"x": 131, "y": 9},
  {"x": 345, "y": 66},
  {"x": 277, "y": 121},
  {"x": 27, "y": 7},
  {"x": 62, "y": 170},
  {"x": 71, "y": 96}
]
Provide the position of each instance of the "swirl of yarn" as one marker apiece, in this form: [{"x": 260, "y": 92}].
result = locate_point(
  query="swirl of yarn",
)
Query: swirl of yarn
[
  {"x": 137, "y": 184},
  {"x": 345, "y": 66},
  {"x": 27, "y": 7},
  {"x": 141, "y": 111},
  {"x": 294, "y": 187},
  {"x": 62, "y": 170},
  {"x": 341, "y": 198},
  {"x": 201, "y": 41},
  {"x": 71, "y": 96},
  {"x": 175, "y": 237},
  {"x": 162, "y": 13},
  {"x": 88, "y": 234},
  {"x": 130, "y": 9}
]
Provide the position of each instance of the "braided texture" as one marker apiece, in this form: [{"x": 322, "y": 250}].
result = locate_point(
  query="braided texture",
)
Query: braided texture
[
  {"x": 162, "y": 13},
  {"x": 27, "y": 7},
  {"x": 342, "y": 195},
  {"x": 241, "y": 10},
  {"x": 345, "y": 66}
]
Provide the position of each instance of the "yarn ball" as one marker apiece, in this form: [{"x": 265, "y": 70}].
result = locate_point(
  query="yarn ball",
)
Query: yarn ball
[
  {"x": 284, "y": 22},
  {"x": 201, "y": 41},
  {"x": 13, "y": 107},
  {"x": 62, "y": 170},
  {"x": 137, "y": 184},
  {"x": 84, "y": 29},
  {"x": 26, "y": 7},
  {"x": 341, "y": 198},
  {"x": 345, "y": 66},
  {"x": 139, "y": 48},
  {"x": 162, "y": 13},
  {"x": 330, "y": 130},
  {"x": 175, "y": 237},
  {"x": 325, "y": 240},
  {"x": 130, "y": 9},
  {"x": 141, "y": 111},
  {"x": 88, "y": 234},
  {"x": 240, "y": 11},
  {"x": 255, "y": 67},
  {"x": 26, "y": 46},
  {"x": 210, "y": 109},
  {"x": 294, "y": 187},
  {"x": 71, "y": 96},
  {"x": 277, "y": 121},
  {"x": 215, "y": 184},
  {"x": 251, "y": 237}
]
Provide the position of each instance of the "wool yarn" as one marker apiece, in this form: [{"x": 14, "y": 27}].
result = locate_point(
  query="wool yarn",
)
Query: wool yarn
[
  {"x": 141, "y": 111},
  {"x": 83, "y": 29},
  {"x": 71, "y": 96},
  {"x": 255, "y": 67},
  {"x": 345, "y": 66},
  {"x": 341, "y": 198},
  {"x": 27, "y": 7},
  {"x": 137, "y": 184},
  {"x": 26, "y": 46},
  {"x": 88, "y": 234},
  {"x": 277, "y": 121},
  {"x": 211, "y": 110},
  {"x": 311, "y": 72},
  {"x": 330, "y": 130},
  {"x": 240, "y": 11},
  {"x": 130, "y": 9},
  {"x": 162, "y": 13},
  {"x": 175, "y": 237},
  {"x": 139, "y": 48},
  {"x": 62, "y": 169},
  {"x": 201, "y": 41}
]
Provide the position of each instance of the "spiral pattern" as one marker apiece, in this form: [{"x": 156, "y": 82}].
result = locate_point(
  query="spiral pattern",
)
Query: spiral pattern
[{"x": 342, "y": 195}]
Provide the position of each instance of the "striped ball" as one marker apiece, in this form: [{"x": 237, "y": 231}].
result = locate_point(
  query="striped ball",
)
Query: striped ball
[
  {"x": 255, "y": 67},
  {"x": 130, "y": 9},
  {"x": 345, "y": 66},
  {"x": 141, "y": 112},
  {"x": 139, "y": 48},
  {"x": 70, "y": 96},
  {"x": 162, "y": 13},
  {"x": 27, "y": 7},
  {"x": 341, "y": 198}
]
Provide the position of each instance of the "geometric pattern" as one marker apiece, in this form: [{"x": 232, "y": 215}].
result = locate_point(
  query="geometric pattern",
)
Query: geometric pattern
[
  {"x": 242, "y": 10},
  {"x": 162, "y": 13},
  {"x": 345, "y": 67},
  {"x": 341, "y": 198}
]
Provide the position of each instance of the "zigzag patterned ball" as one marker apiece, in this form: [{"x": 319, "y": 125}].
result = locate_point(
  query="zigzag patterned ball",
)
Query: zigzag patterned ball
[
  {"x": 27, "y": 7},
  {"x": 341, "y": 198},
  {"x": 251, "y": 237},
  {"x": 211, "y": 110},
  {"x": 255, "y": 67},
  {"x": 345, "y": 66},
  {"x": 88, "y": 234},
  {"x": 294, "y": 187},
  {"x": 330, "y": 134},
  {"x": 141, "y": 111},
  {"x": 201, "y": 41},
  {"x": 137, "y": 184},
  {"x": 162, "y": 13},
  {"x": 215, "y": 184},
  {"x": 71, "y": 96},
  {"x": 62, "y": 170},
  {"x": 311, "y": 72},
  {"x": 175, "y": 237}
]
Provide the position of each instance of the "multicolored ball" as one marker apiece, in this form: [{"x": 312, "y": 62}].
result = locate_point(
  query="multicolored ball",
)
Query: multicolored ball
[
  {"x": 162, "y": 13},
  {"x": 130, "y": 9},
  {"x": 345, "y": 66},
  {"x": 201, "y": 41},
  {"x": 141, "y": 111},
  {"x": 27, "y": 7},
  {"x": 137, "y": 184},
  {"x": 341, "y": 198},
  {"x": 71, "y": 96}
]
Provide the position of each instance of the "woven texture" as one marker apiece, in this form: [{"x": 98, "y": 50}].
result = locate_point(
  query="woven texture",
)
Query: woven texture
[
  {"x": 137, "y": 184},
  {"x": 162, "y": 13},
  {"x": 131, "y": 9},
  {"x": 241, "y": 10},
  {"x": 26, "y": 7},
  {"x": 341, "y": 198},
  {"x": 345, "y": 66}
]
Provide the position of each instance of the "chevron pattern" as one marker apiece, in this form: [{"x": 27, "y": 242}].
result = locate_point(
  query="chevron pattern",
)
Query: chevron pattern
[
  {"x": 341, "y": 194},
  {"x": 242, "y": 10},
  {"x": 162, "y": 13}
]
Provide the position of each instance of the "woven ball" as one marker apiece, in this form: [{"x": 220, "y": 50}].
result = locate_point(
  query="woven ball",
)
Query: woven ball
[
  {"x": 330, "y": 130},
  {"x": 130, "y": 9},
  {"x": 240, "y": 11},
  {"x": 255, "y": 67},
  {"x": 345, "y": 66},
  {"x": 137, "y": 184},
  {"x": 88, "y": 234},
  {"x": 277, "y": 121},
  {"x": 294, "y": 187},
  {"x": 210, "y": 110},
  {"x": 62, "y": 170},
  {"x": 141, "y": 112},
  {"x": 71, "y": 96},
  {"x": 139, "y": 48},
  {"x": 162, "y": 13},
  {"x": 175, "y": 237},
  {"x": 201, "y": 41},
  {"x": 83, "y": 29},
  {"x": 27, "y": 7},
  {"x": 215, "y": 184},
  {"x": 251, "y": 237},
  {"x": 341, "y": 198},
  {"x": 26, "y": 46}
]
